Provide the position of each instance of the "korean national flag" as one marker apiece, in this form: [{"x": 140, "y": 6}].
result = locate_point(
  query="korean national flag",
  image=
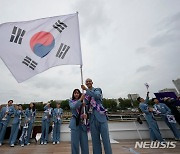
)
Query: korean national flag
[{"x": 31, "y": 47}]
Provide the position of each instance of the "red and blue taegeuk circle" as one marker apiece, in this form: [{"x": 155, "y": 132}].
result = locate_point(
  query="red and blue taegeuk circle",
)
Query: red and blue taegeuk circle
[{"x": 42, "y": 43}]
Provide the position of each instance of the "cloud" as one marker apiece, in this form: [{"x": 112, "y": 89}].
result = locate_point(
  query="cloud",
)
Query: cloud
[
  {"x": 124, "y": 44},
  {"x": 145, "y": 68},
  {"x": 94, "y": 19},
  {"x": 165, "y": 38},
  {"x": 169, "y": 32}
]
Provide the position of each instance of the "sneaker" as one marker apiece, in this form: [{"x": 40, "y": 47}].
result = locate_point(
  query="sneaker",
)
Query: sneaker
[
  {"x": 12, "y": 145},
  {"x": 54, "y": 142},
  {"x": 42, "y": 143},
  {"x": 58, "y": 142},
  {"x": 22, "y": 145},
  {"x": 28, "y": 143},
  {"x": 45, "y": 143},
  {"x": 0, "y": 144}
]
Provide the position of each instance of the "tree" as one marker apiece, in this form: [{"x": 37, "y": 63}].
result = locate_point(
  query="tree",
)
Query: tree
[
  {"x": 110, "y": 104},
  {"x": 65, "y": 104},
  {"x": 124, "y": 103},
  {"x": 39, "y": 106},
  {"x": 25, "y": 106}
]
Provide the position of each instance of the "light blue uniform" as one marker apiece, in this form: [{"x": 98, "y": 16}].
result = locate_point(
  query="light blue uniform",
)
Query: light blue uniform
[
  {"x": 4, "y": 121},
  {"x": 27, "y": 129},
  {"x": 98, "y": 124},
  {"x": 79, "y": 135},
  {"x": 46, "y": 119},
  {"x": 16, "y": 123},
  {"x": 57, "y": 114},
  {"x": 0, "y": 115},
  {"x": 164, "y": 111},
  {"x": 153, "y": 127}
]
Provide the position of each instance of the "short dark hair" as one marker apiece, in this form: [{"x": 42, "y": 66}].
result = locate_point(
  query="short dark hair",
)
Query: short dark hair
[
  {"x": 10, "y": 100},
  {"x": 138, "y": 99},
  {"x": 153, "y": 99}
]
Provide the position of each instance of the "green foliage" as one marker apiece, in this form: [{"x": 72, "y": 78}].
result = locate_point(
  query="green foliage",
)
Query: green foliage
[
  {"x": 39, "y": 106},
  {"x": 135, "y": 103},
  {"x": 110, "y": 104},
  {"x": 65, "y": 104},
  {"x": 25, "y": 106},
  {"x": 124, "y": 103}
]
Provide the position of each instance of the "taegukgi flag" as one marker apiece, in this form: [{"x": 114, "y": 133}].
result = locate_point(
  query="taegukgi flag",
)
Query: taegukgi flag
[{"x": 31, "y": 47}]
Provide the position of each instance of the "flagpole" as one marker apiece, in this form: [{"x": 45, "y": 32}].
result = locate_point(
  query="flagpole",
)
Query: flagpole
[{"x": 82, "y": 91}]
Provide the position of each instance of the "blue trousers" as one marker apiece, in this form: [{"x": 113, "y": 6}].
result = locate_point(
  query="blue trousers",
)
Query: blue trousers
[
  {"x": 29, "y": 131},
  {"x": 23, "y": 136},
  {"x": 97, "y": 128},
  {"x": 45, "y": 131},
  {"x": 154, "y": 129},
  {"x": 14, "y": 133},
  {"x": 172, "y": 126},
  {"x": 3, "y": 127},
  {"x": 79, "y": 137},
  {"x": 56, "y": 132}
]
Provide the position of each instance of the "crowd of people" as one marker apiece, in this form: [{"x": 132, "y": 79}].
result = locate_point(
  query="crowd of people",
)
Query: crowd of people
[
  {"x": 168, "y": 112},
  {"x": 29, "y": 115},
  {"x": 17, "y": 110},
  {"x": 88, "y": 114}
]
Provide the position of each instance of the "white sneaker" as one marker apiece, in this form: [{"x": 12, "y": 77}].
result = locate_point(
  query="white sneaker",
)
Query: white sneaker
[
  {"x": 58, "y": 142},
  {"x": 28, "y": 143},
  {"x": 0, "y": 144},
  {"x": 54, "y": 142},
  {"x": 45, "y": 143},
  {"x": 22, "y": 145},
  {"x": 42, "y": 143},
  {"x": 12, "y": 145}
]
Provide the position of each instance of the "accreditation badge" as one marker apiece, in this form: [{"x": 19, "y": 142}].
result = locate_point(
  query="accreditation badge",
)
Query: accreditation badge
[{"x": 171, "y": 118}]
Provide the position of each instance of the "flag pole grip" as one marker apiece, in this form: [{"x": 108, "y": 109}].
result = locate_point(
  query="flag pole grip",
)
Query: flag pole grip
[{"x": 82, "y": 91}]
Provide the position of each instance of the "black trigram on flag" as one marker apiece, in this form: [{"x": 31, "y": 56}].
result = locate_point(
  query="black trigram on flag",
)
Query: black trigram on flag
[
  {"x": 17, "y": 35},
  {"x": 63, "y": 49},
  {"x": 60, "y": 26},
  {"x": 29, "y": 62}
]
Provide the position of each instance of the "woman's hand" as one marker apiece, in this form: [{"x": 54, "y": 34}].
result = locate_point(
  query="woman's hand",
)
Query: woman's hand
[{"x": 84, "y": 116}]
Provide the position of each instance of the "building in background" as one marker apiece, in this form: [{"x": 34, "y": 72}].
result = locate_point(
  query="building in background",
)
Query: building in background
[
  {"x": 133, "y": 96},
  {"x": 169, "y": 90},
  {"x": 177, "y": 84}
]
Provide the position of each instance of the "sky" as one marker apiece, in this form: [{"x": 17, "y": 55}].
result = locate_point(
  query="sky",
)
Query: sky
[{"x": 124, "y": 43}]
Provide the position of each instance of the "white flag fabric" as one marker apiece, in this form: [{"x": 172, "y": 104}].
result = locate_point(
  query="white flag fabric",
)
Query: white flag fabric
[
  {"x": 147, "y": 85},
  {"x": 31, "y": 47}
]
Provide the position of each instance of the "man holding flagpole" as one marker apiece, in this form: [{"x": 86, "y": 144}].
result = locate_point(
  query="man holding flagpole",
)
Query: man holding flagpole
[{"x": 98, "y": 118}]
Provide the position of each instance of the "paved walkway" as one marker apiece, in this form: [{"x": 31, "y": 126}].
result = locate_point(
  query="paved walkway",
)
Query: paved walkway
[{"x": 123, "y": 147}]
